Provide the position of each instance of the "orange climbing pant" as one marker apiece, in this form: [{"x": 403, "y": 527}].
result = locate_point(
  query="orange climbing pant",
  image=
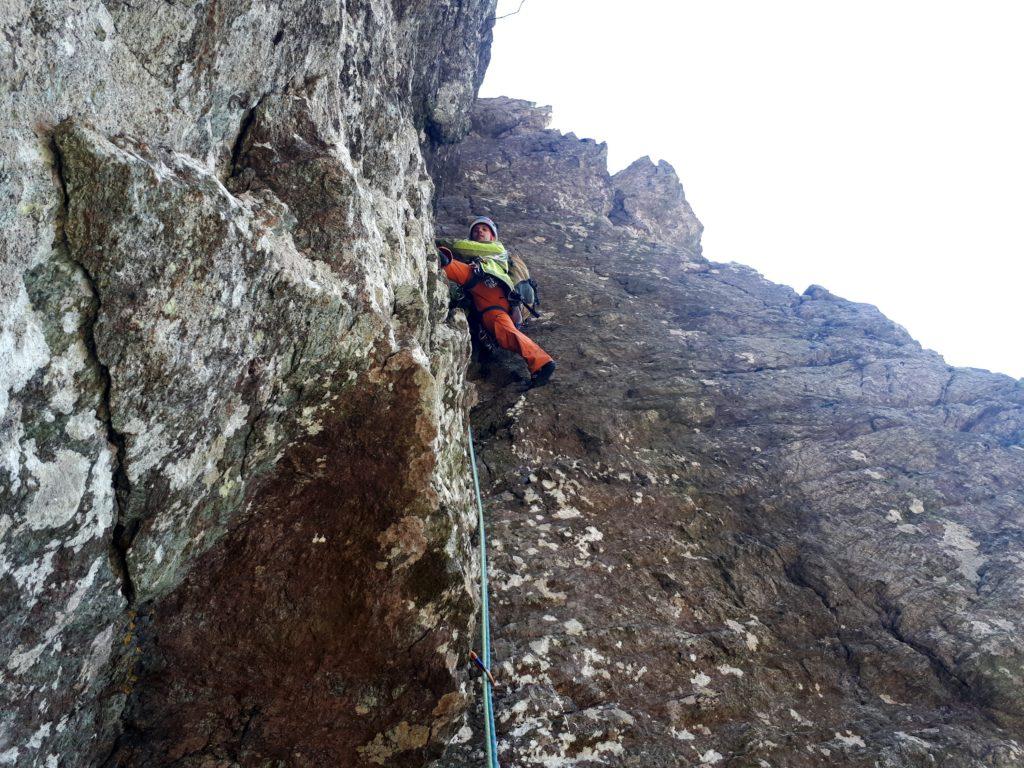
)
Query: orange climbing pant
[
  {"x": 511, "y": 338},
  {"x": 497, "y": 321}
]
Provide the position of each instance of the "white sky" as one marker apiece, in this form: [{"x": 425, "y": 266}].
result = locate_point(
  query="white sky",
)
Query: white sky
[{"x": 875, "y": 148}]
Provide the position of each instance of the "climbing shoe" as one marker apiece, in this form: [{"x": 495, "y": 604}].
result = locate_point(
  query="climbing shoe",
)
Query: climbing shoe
[{"x": 540, "y": 378}]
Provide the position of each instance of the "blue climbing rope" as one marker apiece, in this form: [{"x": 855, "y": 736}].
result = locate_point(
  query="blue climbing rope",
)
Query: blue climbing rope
[{"x": 485, "y": 630}]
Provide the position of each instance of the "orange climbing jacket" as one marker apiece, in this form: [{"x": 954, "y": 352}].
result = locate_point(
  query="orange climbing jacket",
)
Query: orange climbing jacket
[
  {"x": 494, "y": 296},
  {"x": 490, "y": 259}
]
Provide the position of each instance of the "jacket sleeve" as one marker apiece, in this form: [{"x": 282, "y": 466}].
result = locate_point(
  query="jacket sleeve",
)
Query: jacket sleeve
[{"x": 458, "y": 272}]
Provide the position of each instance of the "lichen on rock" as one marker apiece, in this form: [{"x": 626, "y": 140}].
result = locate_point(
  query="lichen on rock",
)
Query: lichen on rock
[{"x": 227, "y": 373}]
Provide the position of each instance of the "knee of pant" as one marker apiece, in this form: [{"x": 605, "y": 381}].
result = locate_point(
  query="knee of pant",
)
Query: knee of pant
[
  {"x": 504, "y": 337},
  {"x": 501, "y": 323}
]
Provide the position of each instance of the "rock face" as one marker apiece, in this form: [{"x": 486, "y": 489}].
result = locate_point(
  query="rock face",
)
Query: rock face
[
  {"x": 649, "y": 198},
  {"x": 741, "y": 526},
  {"x": 234, "y": 518}
]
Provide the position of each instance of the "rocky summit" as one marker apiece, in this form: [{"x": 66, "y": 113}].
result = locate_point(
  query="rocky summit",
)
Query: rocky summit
[{"x": 739, "y": 527}]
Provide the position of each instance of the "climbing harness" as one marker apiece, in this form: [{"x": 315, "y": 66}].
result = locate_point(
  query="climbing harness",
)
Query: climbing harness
[
  {"x": 493, "y": 266},
  {"x": 487, "y": 679}
]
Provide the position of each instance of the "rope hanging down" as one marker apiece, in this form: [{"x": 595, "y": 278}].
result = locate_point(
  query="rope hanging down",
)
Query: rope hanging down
[{"x": 486, "y": 679}]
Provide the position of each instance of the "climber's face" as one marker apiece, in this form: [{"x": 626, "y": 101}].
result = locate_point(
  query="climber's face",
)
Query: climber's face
[{"x": 481, "y": 233}]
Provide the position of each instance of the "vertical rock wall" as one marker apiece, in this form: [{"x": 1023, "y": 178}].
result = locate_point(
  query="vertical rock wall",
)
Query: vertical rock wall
[
  {"x": 232, "y": 490},
  {"x": 740, "y": 526}
]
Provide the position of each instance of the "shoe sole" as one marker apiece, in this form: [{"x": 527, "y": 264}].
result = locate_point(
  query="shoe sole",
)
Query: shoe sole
[{"x": 543, "y": 377}]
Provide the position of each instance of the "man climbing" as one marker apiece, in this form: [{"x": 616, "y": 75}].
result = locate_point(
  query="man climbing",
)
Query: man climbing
[{"x": 480, "y": 266}]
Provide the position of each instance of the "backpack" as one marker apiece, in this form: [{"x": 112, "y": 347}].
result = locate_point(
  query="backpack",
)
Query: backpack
[{"x": 525, "y": 286}]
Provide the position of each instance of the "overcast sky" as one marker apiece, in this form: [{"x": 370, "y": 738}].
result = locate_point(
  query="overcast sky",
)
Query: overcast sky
[{"x": 875, "y": 148}]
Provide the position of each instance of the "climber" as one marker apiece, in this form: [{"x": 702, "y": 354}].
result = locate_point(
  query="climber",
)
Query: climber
[{"x": 484, "y": 276}]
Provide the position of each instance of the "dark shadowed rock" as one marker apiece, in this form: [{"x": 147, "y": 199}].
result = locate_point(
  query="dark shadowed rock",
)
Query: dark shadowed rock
[{"x": 740, "y": 526}]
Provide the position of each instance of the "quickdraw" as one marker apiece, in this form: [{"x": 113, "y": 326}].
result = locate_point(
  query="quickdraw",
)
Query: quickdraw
[{"x": 476, "y": 660}]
